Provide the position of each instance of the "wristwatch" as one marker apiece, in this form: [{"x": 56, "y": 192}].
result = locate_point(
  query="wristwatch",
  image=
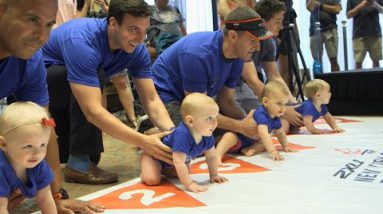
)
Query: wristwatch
[{"x": 62, "y": 194}]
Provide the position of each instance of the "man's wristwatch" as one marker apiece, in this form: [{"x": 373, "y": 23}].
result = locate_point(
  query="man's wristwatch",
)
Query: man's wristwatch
[{"x": 62, "y": 194}]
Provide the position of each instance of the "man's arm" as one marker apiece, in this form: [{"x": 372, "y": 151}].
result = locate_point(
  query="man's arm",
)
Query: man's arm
[
  {"x": 227, "y": 104},
  {"x": 377, "y": 6},
  {"x": 249, "y": 74},
  {"x": 231, "y": 119},
  {"x": 124, "y": 91},
  {"x": 353, "y": 12},
  {"x": 90, "y": 101},
  {"x": 312, "y": 4},
  {"x": 152, "y": 103}
]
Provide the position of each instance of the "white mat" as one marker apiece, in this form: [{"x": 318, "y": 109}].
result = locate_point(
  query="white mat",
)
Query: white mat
[{"x": 333, "y": 173}]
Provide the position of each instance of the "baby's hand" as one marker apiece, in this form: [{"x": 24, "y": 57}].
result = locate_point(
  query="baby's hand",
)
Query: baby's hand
[
  {"x": 194, "y": 187},
  {"x": 317, "y": 131},
  {"x": 218, "y": 179},
  {"x": 276, "y": 156},
  {"x": 289, "y": 149},
  {"x": 337, "y": 129}
]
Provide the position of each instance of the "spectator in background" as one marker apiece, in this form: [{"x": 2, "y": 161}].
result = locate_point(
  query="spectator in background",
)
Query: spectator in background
[
  {"x": 366, "y": 32},
  {"x": 98, "y": 8},
  {"x": 325, "y": 12},
  {"x": 225, "y": 6},
  {"x": 67, "y": 10},
  {"x": 166, "y": 27}
]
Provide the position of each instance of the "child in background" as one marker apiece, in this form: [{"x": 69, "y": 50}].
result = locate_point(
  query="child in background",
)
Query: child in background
[
  {"x": 24, "y": 135},
  {"x": 274, "y": 100},
  {"x": 192, "y": 137},
  {"x": 318, "y": 93}
]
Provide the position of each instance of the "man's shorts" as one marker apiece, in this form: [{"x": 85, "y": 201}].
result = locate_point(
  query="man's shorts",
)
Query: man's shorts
[
  {"x": 372, "y": 45},
  {"x": 330, "y": 39}
]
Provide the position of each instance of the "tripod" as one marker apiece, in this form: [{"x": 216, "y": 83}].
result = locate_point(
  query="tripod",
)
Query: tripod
[{"x": 295, "y": 80}]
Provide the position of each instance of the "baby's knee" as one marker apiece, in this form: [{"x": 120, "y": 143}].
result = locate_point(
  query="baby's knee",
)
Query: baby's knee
[{"x": 151, "y": 180}]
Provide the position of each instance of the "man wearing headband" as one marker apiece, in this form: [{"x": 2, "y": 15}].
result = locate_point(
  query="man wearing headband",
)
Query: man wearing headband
[
  {"x": 211, "y": 63},
  {"x": 265, "y": 69}
]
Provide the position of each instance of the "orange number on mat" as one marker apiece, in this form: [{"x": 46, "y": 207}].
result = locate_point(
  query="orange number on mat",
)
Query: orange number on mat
[{"x": 148, "y": 196}]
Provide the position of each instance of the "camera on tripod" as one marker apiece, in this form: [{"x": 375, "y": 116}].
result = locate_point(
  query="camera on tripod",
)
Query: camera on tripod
[{"x": 289, "y": 17}]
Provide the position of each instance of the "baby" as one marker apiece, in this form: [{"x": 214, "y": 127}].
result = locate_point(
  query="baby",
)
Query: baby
[
  {"x": 318, "y": 93},
  {"x": 25, "y": 129},
  {"x": 192, "y": 138},
  {"x": 274, "y": 100}
]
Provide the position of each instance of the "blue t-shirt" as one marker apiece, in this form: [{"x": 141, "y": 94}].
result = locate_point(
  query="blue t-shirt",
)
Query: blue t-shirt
[
  {"x": 26, "y": 79},
  {"x": 82, "y": 46},
  {"x": 181, "y": 140},
  {"x": 261, "y": 116},
  {"x": 195, "y": 64},
  {"x": 38, "y": 178},
  {"x": 308, "y": 108}
]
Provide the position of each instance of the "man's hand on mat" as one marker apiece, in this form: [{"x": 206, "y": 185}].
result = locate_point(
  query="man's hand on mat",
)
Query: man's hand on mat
[
  {"x": 155, "y": 148},
  {"x": 194, "y": 187},
  {"x": 69, "y": 206},
  {"x": 218, "y": 179},
  {"x": 276, "y": 156},
  {"x": 293, "y": 117},
  {"x": 15, "y": 199},
  {"x": 249, "y": 126}
]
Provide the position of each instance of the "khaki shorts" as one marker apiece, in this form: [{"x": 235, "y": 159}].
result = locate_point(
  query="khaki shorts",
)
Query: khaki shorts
[
  {"x": 372, "y": 45},
  {"x": 330, "y": 39}
]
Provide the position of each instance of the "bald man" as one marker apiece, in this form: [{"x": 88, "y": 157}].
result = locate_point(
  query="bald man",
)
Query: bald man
[{"x": 25, "y": 26}]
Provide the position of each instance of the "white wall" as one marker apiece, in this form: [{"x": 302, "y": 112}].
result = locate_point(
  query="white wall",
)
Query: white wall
[{"x": 198, "y": 15}]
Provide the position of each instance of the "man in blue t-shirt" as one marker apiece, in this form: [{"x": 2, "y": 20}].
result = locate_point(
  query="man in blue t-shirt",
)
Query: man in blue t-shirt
[
  {"x": 25, "y": 27},
  {"x": 211, "y": 63},
  {"x": 78, "y": 56},
  {"x": 366, "y": 31},
  {"x": 324, "y": 12},
  {"x": 264, "y": 62}
]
